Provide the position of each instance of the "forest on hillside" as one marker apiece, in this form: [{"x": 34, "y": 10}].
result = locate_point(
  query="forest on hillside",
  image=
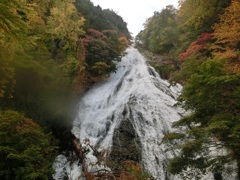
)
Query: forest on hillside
[
  {"x": 201, "y": 39},
  {"x": 50, "y": 53}
]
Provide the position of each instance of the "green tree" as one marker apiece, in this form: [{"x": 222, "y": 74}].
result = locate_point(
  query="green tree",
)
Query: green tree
[
  {"x": 212, "y": 94},
  {"x": 160, "y": 33},
  {"x": 117, "y": 22},
  {"x": 26, "y": 152},
  {"x": 99, "y": 19}
]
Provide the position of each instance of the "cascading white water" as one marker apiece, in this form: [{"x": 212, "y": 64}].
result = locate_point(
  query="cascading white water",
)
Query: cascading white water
[
  {"x": 138, "y": 87},
  {"x": 135, "y": 87},
  {"x": 135, "y": 92}
]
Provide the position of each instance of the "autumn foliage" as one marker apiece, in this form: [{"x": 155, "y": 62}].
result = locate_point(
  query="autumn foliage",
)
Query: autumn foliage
[
  {"x": 207, "y": 48},
  {"x": 227, "y": 37},
  {"x": 50, "y": 52},
  {"x": 201, "y": 45},
  {"x": 101, "y": 49}
]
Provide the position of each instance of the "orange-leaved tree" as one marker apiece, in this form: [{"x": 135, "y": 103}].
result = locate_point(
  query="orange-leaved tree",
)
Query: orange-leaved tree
[{"x": 227, "y": 36}]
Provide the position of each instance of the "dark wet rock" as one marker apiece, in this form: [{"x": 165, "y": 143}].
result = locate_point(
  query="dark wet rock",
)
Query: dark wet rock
[
  {"x": 126, "y": 145},
  {"x": 164, "y": 65},
  {"x": 217, "y": 176}
]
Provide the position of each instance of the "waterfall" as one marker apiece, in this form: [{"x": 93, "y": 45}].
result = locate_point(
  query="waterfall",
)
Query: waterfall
[
  {"x": 134, "y": 92},
  {"x": 128, "y": 114}
]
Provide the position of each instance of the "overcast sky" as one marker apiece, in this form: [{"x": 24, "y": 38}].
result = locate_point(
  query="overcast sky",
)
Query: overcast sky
[{"x": 135, "y": 12}]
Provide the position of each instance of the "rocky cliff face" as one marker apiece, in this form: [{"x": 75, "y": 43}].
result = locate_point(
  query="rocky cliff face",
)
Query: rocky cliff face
[{"x": 126, "y": 145}]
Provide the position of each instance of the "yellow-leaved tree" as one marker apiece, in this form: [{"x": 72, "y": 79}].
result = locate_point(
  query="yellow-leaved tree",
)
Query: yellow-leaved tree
[
  {"x": 64, "y": 24},
  {"x": 11, "y": 38}
]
